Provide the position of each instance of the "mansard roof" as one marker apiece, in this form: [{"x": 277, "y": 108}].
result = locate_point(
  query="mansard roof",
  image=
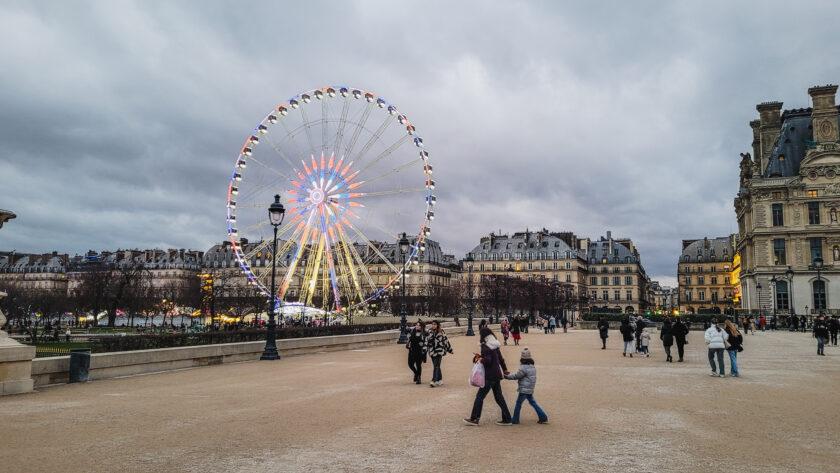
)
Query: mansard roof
[
  {"x": 707, "y": 250},
  {"x": 791, "y": 145}
]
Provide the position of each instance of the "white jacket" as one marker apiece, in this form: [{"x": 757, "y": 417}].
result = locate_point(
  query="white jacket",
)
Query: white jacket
[{"x": 715, "y": 338}]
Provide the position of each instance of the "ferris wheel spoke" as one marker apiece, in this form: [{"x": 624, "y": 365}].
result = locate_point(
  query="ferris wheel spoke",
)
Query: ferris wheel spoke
[
  {"x": 391, "y": 192},
  {"x": 280, "y": 152},
  {"x": 269, "y": 168},
  {"x": 373, "y": 247},
  {"x": 324, "y": 115},
  {"x": 359, "y": 127},
  {"x": 389, "y": 173},
  {"x": 291, "y": 137},
  {"x": 339, "y": 133},
  {"x": 375, "y": 137},
  {"x": 352, "y": 254},
  {"x": 308, "y": 128}
]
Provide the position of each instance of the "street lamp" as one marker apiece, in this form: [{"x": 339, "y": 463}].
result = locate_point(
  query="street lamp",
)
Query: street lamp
[
  {"x": 758, "y": 288},
  {"x": 789, "y": 275},
  {"x": 276, "y": 212},
  {"x": 469, "y": 261},
  {"x": 773, "y": 281},
  {"x": 403, "y": 246},
  {"x": 509, "y": 271}
]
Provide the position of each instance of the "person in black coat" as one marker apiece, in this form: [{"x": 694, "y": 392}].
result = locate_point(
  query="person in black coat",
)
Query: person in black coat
[
  {"x": 640, "y": 325},
  {"x": 416, "y": 346},
  {"x": 833, "y": 328},
  {"x": 821, "y": 334},
  {"x": 627, "y": 334},
  {"x": 667, "y": 337},
  {"x": 679, "y": 331},
  {"x": 603, "y": 329}
]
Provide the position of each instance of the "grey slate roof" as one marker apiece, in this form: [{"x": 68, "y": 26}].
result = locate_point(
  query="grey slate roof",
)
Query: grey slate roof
[
  {"x": 532, "y": 245},
  {"x": 615, "y": 253},
  {"x": 790, "y": 148},
  {"x": 707, "y": 250}
]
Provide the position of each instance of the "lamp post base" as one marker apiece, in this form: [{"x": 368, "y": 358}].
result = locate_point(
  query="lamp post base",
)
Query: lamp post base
[
  {"x": 270, "y": 355},
  {"x": 470, "y": 332}
]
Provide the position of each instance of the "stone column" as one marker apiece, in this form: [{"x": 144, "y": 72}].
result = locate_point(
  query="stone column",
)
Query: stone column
[{"x": 15, "y": 359}]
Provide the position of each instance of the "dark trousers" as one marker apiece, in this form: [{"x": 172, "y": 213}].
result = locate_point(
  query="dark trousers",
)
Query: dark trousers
[
  {"x": 680, "y": 350},
  {"x": 496, "y": 386},
  {"x": 834, "y": 337},
  {"x": 416, "y": 365},
  {"x": 436, "y": 374},
  {"x": 667, "y": 350},
  {"x": 603, "y": 342},
  {"x": 716, "y": 352}
]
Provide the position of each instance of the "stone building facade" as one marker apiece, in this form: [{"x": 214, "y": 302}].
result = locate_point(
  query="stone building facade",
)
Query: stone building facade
[
  {"x": 616, "y": 278},
  {"x": 34, "y": 272},
  {"x": 704, "y": 273},
  {"x": 787, "y": 208}
]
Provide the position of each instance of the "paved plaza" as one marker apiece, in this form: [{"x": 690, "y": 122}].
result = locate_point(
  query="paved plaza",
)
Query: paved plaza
[{"x": 359, "y": 411}]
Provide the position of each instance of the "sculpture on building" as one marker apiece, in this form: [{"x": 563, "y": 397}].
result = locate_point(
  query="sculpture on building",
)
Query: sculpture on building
[{"x": 746, "y": 169}]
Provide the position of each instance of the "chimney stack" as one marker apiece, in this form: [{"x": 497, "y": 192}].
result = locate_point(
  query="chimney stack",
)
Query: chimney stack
[
  {"x": 770, "y": 124},
  {"x": 824, "y": 113}
]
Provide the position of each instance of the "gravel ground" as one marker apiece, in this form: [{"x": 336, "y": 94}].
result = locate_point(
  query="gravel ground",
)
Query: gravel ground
[{"x": 359, "y": 411}]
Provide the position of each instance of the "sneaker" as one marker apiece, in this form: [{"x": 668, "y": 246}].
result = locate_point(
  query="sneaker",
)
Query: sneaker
[
  {"x": 433, "y": 384},
  {"x": 542, "y": 421},
  {"x": 735, "y": 375},
  {"x": 473, "y": 422},
  {"x": 501, "y": 422},
  {"x": 440, "y": 383},
  {"x": 722, "y": 375},
  {"x": 713, "y": 374},
  {"x": 647, "y": 355}
]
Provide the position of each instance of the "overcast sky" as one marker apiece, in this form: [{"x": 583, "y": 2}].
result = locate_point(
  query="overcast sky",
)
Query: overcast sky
[{"x": 120, "y": 121}]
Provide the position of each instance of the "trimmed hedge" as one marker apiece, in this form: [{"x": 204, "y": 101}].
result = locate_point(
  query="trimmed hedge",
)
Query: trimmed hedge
[
  {"x": 168, "y": 340},
  {"x": 594, "y": 317}
]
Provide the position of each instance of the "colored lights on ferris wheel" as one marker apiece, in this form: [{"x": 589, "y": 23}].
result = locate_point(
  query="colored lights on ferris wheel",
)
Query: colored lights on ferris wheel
[
  {"x": 343, "y": 91},
  {"x": 306, "y": 98},
  {"x": 282, "y": 111},
  {"x": 262, "y": 129}
]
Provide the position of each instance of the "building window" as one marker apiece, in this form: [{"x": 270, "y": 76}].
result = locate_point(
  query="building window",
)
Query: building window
[
  {"x": 778, "y": 218},
  {"x": 816, "y": 249},
  {"x": 701, "y": 295},
  {"x": 568, "y": 265},
  {"x": 530, "y": 266},
  {"x": 617, "y": 295},
  {"x": 606, "y": 295},
  {"x": 819, "y": 294},
  {"x": 593, "y": 281},
  {"x": 616, "y": 281},
  {"x": 813, "y": 193},
  {"x": 628, "y": 280},
  {"x": 687, "y": 280},
  {"x": 555, "y": 277},
  {"x": 568, "y": 278},
  {"x": 688, "y": 296},
  {"x": 782, "y": 301},
  {"x": 726, "y": 280},
  {"x": 714, "y": 269},
  {"x": 701, "y": 280},
  {"x": 714, "y": 279},
  {"x": 813, "y": 213},
  {"x": 555, "y": 265},
  {"x": 714, "y": 297},
  {"x": 542, "y": 265},
  {"x": 629, "y": 295},
  {"x": 699, "y": 269},
  {"x": 605, "y": 281},
  {"x": 779, "y": 251}
]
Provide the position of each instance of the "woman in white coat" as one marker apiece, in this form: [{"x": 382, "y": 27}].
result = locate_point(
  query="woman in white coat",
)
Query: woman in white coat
[{"x": 716, "y": 341}]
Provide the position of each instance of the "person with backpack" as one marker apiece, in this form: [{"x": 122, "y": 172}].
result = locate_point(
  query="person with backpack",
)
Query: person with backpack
[
  {"x": 667, "y": 337},
  {"x": 416, "y": 346},
  {"x": 505, "y": 328},
  {"x": 603, "y": 331},
  {"x": 627, "y": 333},
  {"x": 437, "y": 345},
  {"x": 527, "y": 378},
  {"x": 735, "y": 341},
  {"x": 494, "y": 368}
]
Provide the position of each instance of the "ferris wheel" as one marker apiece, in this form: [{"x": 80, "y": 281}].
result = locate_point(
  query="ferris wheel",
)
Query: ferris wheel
[{"x": 353, "y": 174}]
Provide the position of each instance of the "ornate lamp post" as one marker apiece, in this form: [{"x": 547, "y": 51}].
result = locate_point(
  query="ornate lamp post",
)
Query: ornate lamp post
[
  {"x": 789, "y": 276},
  {"x": 509, "y": 272},
  {"x": 758, "y": 288},
  {"x": 469, "y": 261},
  {"x": 773, "y": 282},
  {"x": 276, "y": 212},
  {"x": 403, "y": 246}
]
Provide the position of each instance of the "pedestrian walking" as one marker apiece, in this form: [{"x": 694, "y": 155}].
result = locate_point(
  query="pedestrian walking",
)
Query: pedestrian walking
[
  {"x": 67, "y": 335},
  {"x": 645, "y": 342},
  {"x": 603, "y": 331},
  {"x": 821, "y": 334},
  {"x": 526, "y": 375},
  {"x": 416, "y": 346},
  {"x": 552, "y": 323},
  {"x": 505, "y": 328},
  {"x": 734, "y": 342},
  {"x": 640, "y": 325},
  {"x": 494, "y": 368},
  {"x": 667, "y": 337},
  {"x": 716, "y": 341},
  {"x": 515, "y": 328},
  {"x": 565, "y": 321},
  {"x": 437, "y": 345},
  {"x": 833, "y": 328},
  {"x": 627, "y": 334}
]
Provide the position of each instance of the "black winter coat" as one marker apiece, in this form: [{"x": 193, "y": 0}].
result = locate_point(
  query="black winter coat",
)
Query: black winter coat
[
  {"x": 820, "y": 329},
  {"x": 680, "y": 331},
  {"x": 667, "y": 335},
  {"x": 627, "y": 332},
  {"x": 604, "y": 328},
  {"x": 416, "y": 345},
  {"x": 734, "y": 342}
]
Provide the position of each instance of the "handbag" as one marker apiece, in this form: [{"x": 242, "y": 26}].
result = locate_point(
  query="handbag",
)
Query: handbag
[{"x": 477, "y": 375}]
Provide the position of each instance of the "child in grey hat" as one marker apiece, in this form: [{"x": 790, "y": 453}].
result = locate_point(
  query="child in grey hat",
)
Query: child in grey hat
[{"x": 527, "y": 377}]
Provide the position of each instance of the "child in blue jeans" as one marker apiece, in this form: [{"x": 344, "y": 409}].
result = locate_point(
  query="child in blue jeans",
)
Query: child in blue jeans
[{"x": 527, "y": 377}]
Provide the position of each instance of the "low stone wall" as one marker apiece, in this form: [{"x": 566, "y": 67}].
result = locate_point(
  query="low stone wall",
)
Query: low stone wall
[{"x": 56, "y": 369}]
